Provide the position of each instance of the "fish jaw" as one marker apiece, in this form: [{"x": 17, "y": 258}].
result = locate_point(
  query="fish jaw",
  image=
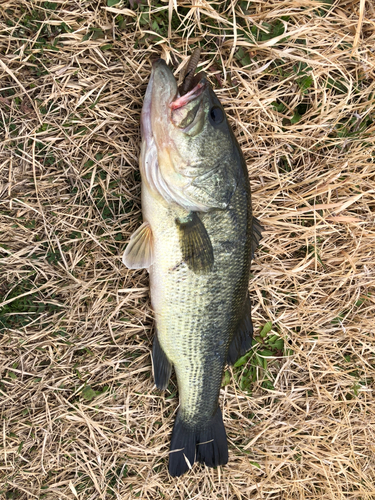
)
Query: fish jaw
[
  {"x": 155, "y": 117},
  {"x": 161, "y": 92}
]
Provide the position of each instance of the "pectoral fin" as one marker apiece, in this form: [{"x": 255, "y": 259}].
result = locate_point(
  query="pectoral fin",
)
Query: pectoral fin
[
  {"x": 195, "y": 244},
  {"x": 256, "y": 235},
  {"x": 242, "y": 338},
  {"x": 139, "y": 253}
]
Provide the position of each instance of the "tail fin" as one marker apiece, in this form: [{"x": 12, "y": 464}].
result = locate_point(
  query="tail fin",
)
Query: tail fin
[{"x": 207, "y": 444}]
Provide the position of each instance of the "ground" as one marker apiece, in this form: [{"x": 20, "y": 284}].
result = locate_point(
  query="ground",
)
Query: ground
[{"x": 80, "y": 416}]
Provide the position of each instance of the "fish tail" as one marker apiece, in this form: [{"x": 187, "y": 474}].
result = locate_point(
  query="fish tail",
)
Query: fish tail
[{"x": 206, "y": 444}]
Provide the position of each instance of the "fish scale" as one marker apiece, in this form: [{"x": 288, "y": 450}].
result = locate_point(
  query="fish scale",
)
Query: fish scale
[
  {"x": 193, "y": 313},
  {"x": 196, "y": 241}
]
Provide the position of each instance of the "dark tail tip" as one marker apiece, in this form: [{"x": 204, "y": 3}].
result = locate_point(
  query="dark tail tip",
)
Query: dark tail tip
[{"x": 207, "y": 444}]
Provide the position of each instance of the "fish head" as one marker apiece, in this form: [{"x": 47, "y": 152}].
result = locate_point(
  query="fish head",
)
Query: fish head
[{"x": 188, "y": 143}]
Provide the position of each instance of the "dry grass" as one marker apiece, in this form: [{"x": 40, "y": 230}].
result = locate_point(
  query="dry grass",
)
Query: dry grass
[{"x": 80, "y": 417}]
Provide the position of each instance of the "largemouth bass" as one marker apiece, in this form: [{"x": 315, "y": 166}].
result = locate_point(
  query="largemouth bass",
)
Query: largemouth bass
[{"x": 197, "y": 241}]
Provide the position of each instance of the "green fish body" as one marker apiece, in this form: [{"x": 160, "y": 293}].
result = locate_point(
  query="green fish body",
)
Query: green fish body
[{"x": 197, "y": 242}]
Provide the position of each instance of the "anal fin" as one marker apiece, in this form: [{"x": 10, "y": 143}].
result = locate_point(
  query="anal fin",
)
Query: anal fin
[
  {"x": 196, "y": 247},
  {"x": 162, "y": 367},
  {"x": 256, "y": 235},
  {"x": 242, "y": 338},
  {"x": 139, "y": 253}
]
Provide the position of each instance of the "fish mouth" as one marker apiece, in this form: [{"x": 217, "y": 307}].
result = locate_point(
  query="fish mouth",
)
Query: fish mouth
[
  {"x": 178, "y": 97},
  {"x": 193, "y": 94},
  {"x": 163, "y": 97}
]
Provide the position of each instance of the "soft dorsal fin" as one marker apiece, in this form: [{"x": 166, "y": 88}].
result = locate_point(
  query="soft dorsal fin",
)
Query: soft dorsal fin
[
  {"x": 256, "y": 235},
  {"x": 242, "y": 338},
  {"x": 139, "y": 253},
  {"x": 196, "y": 247}
]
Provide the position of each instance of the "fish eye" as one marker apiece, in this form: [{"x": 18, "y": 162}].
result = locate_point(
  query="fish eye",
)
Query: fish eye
[{"x": 216, "y": 115}]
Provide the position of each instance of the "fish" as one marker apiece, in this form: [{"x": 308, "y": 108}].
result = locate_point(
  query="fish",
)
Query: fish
[{"x": 197, "y": 240}]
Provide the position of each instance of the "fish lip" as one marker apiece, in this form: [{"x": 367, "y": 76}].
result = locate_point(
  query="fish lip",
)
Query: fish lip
[
  {"x": 179, "y": 101},
  {"x": 157, "y": 62},
  {"x": 161, "y": 78},
  {"x": 193, "y": 94},
  {"x": 164, "y": 74}
]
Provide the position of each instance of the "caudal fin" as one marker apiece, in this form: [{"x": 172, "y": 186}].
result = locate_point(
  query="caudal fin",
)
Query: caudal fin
[{"x": 206, "y": 444}]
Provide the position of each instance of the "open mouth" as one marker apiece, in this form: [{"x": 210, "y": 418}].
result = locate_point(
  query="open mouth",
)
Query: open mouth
[
  {"x": 191, "y": 89},
  {"x": 190, "y": 96}
]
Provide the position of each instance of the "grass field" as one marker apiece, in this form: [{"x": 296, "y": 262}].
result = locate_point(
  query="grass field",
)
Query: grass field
[{"x": 80, "y": 417}]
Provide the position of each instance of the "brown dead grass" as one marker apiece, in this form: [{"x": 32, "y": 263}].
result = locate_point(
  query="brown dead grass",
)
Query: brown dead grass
[{"x": 75, "y": 320}]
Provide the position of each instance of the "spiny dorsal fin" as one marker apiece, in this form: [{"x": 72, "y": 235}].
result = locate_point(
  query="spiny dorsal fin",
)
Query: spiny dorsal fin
[
  {"x": 139, "y": 253},
  {"x": 256, "y": 235},
  {"x": 242, "y": 338},
  {"x": 195, "y": 244}
]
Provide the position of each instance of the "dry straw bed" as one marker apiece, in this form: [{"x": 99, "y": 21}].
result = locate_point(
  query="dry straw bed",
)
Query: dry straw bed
[{"x": 80, "y": 417}]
